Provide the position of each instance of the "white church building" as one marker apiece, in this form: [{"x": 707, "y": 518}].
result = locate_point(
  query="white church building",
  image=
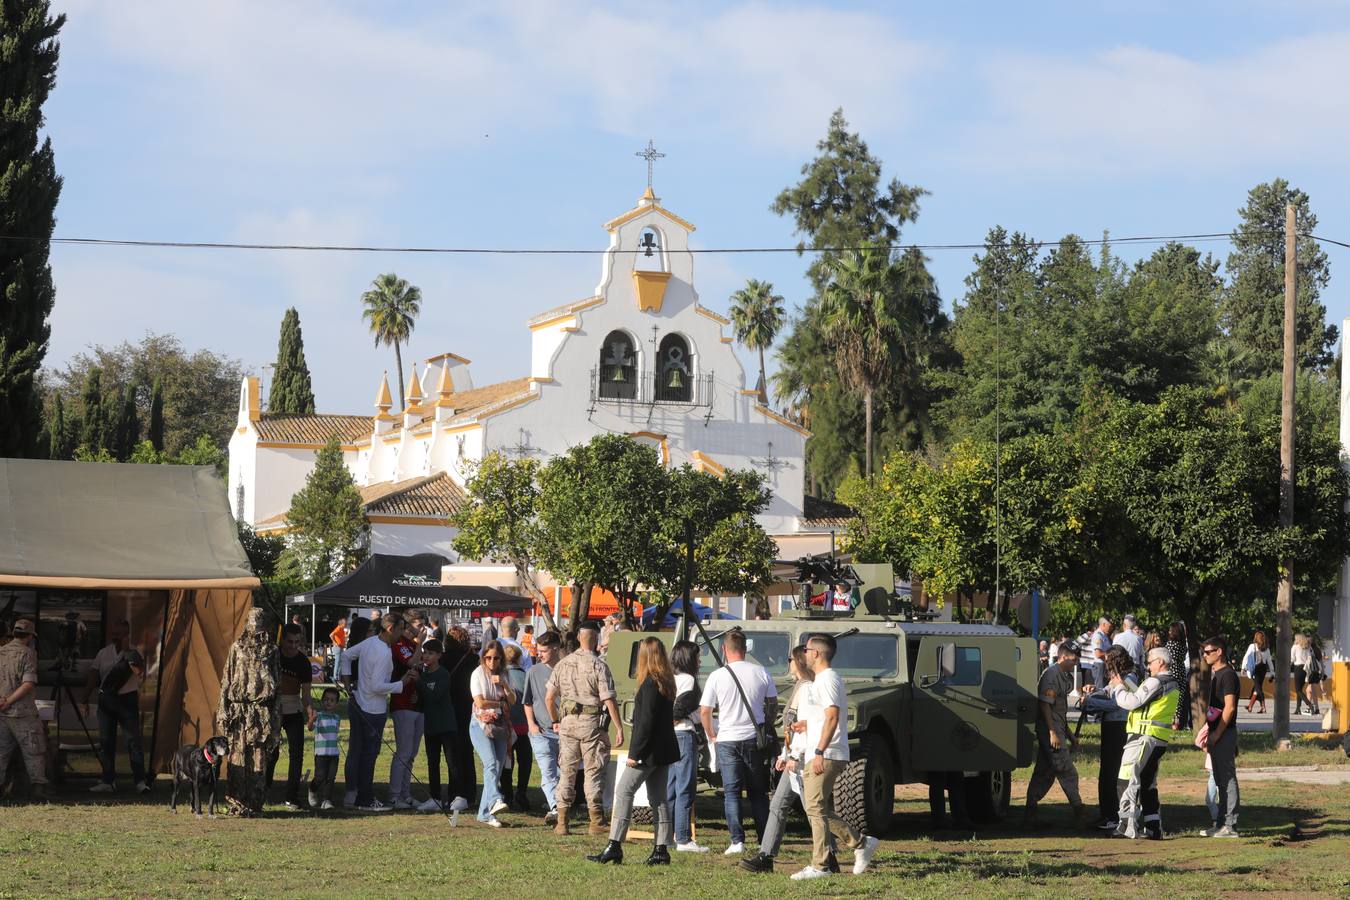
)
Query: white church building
[{"x": 639, "y": 356}]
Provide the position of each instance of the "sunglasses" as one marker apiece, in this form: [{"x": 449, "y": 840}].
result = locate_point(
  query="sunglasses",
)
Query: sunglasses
[
  {"x": 492, "y": 656},
  {"x": 1208, "y": 650}
]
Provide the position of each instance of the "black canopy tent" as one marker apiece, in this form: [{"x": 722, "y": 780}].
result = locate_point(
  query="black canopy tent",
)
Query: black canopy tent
[{"x": 412, "y": 582}]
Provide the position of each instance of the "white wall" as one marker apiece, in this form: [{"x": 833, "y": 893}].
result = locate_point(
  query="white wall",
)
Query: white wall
[{"x": 408, "y": 540}]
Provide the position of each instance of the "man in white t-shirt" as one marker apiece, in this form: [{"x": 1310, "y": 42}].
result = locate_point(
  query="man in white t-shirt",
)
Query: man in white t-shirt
[
  {"x": 739, "y": 760},
  {"x": 826, "y": 728},
  {"x": 1132, "y": 641},
  {"x": 119, "y": 706}
]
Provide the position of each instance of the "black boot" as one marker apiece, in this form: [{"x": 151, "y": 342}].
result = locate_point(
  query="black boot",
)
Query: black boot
[
  {"x": 760, "y": 864},
  {"x": 832, "y": 864},
  {"x": 613, "y": 852},
  {"x": 660, "y": 856}
]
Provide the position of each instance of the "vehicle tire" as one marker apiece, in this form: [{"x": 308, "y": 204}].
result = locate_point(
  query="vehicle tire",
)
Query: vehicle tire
[
  {"x": 864, "y": 796},
  {"x": 988, "y": 795}
]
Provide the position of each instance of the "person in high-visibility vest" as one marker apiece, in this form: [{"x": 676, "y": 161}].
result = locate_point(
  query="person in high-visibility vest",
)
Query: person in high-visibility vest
[{"x": 1148, "y": 730}]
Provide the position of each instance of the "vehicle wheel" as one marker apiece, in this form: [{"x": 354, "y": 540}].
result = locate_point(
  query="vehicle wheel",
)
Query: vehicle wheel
[
  {"x": 988, "y": 795},
  {"x": 865, "y": 792}
]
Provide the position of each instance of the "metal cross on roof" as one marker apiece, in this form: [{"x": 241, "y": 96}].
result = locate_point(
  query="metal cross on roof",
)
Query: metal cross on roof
[
  {"x": 770, "y": 462},
  {"x": 651, "y": 155}
]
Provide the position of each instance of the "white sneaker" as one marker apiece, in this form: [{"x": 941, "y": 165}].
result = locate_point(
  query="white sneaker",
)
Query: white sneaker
[
  {"x": 810, "y": 873},
  {"x": 459, "y": 804},
  {"x": 430, "y": 805},
  {"x": 1211, "y": 830},
  {"x": 292, "y": 807},
  {"x": 493, "y": 821},
  {"x": 102, "y": 788},
  {"x": 403, "y": 804},
  {"x": 313, "y": 799},
  {"x": 376, "y": 807},
  {"x": 736, "y": 849},
  {"x": 327, "y": 804},
  {"x": 349, "y": 800},
  {"x": 142, "y": 788},
  {"x": 862, "y": 857},
  {"x": 691, "y": 847},
  {"x": 499, "y": 806},
  {"x": 1225, "y": 832}
]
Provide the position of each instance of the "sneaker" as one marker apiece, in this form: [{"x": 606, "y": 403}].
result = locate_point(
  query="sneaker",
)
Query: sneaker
[
  {"x": 429, "y": 805},
  {"x": 691, "y": 847},
  {"x": 1211, "y": 830},
  {"x": 759, "y": 864},
  {"x": 102, "y": 788},
  {"x": 459, "y": 804},
  {"x": 862, "y": 857},
  {"x": 499, "y": 806},
  {"x": 403, "y": 804},
  {"x": 551, "y": 817},
  {"x": 810, "y": 873},
  {"x": 327, "y": 804},
  {"x": 1108, "y": 825},
  {"x": 375, "y": 806},
  {"x": 313, "y": 798},
  {"x": 492, "y": 821},
  {"x": 736, "y": 849},
  {"x": 142, "y": 788},
  {"x": 349, "y": 800},
  {"x": 1153, "y": 834},
  {"x": 292, "y": 807},
  {"x": 1226, "y": 831}
]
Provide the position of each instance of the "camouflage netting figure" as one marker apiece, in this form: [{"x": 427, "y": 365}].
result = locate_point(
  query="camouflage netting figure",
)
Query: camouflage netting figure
[{"x": 249, "y": 715}]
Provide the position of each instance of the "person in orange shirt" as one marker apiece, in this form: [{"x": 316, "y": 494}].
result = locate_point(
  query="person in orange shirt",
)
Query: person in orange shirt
[
  {"x": 527, "y": 641},
  {"x": 339, "y": 638}
]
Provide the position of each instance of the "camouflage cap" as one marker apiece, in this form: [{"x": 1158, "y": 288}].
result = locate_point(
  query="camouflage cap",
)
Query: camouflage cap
[{"x": 23, "y": 626}]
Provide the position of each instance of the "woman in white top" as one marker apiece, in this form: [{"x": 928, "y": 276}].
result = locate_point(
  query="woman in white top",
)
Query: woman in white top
[
  {"x": 682, "y": 782},
  {"x": 1300, "y": 657},
  {"x": 490, "y": 726},
  {"x": 790, "y": 764},
  {"x": 1256, "y": 663}
]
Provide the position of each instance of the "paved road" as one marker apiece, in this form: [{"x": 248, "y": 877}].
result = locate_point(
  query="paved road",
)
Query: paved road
[{"x": 1254, "y": 721}]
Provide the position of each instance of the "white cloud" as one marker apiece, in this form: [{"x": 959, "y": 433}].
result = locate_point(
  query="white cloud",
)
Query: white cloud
[{"x": 1134, "y": 109}]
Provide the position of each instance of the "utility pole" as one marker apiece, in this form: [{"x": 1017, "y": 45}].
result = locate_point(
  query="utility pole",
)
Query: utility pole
[{"x": 1284, "y": 598}]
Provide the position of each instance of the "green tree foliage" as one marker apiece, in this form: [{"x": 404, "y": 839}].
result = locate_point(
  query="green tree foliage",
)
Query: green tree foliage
[
  {"x": 154, "y": 432},
  {"x": 757, "y": 316},
  {"x": 94, "y": 427},
  {"x": 199, "y": 390},
  {"x": 29, "y": 189},
  {"x": 127, "y": 429},
  {"x": 328, "y": 535},
  {"x": 841, "y": 202},
  {"x": 291, "y": 390},
  {"x": 390, "y": 309},
  {"x": 1253, "y": 304},
  {"x": 56, "y": 430},
  {"x": 500, "y": 521}
]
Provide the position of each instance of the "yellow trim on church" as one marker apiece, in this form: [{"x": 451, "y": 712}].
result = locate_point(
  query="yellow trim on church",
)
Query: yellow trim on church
[
  {"x": 781, "y": 420},
  {"x": 708, "y": 313},
  {"x": 661, "y": 439},
  {"x": 613, "y": 224},
  {"x": 705, "y": 463}
]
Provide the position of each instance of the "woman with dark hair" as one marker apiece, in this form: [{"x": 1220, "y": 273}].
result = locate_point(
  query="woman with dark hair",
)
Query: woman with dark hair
[
  {"x": 1177, "y": 668},
  {"x": 683, "y": 779},
  {"x": 460, "y": 662},
  {"x": 650, "y": 756},
  {"x": 1256, "y": 663},
  {"x": 358, "y": 632},
  {"x": 490, "y": 726},
  {"x": 1120, "y": 671}
]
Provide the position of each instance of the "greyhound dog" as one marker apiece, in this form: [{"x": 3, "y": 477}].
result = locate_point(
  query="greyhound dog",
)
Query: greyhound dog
[{"x": 199, "y": 766}]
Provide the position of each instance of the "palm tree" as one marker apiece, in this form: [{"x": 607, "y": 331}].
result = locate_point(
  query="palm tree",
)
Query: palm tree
[
  {"x": 864, "y": 320},
  {"x": 391, "y": 309},
  {"x": 757, "y": 314}
]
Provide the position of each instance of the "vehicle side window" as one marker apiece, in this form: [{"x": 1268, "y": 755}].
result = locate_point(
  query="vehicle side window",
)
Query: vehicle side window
[
  {"x": 770, "y": 649},
  {"x": 968, "y": 669},
  {"x": 632, "y": 660},
  {"x": 866, "y": 656}
]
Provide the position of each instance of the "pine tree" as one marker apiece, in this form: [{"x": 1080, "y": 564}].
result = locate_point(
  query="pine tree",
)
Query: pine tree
[
  {"x": 93, "y": 434},
  {"x": 29, "y": 188},
  {"x": 327, "y": 520},
  {"x": 291, "y": 390},
  {"x": 155, "y": 429}
]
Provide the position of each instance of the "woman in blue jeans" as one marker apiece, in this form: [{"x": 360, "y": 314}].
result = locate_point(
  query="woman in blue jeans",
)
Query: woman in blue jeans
[
  {"x": 682, "y": 782},
  {"x": 490, "y": 727}
]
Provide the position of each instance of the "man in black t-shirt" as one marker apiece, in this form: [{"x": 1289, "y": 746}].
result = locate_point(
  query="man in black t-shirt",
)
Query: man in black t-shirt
[
  {"x": 1223, "y": 735},
  {"x": 297, "y": 710}
]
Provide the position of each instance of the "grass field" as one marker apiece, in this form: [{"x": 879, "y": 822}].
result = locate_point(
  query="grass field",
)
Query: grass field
[{"x": 1296, "y": 840}]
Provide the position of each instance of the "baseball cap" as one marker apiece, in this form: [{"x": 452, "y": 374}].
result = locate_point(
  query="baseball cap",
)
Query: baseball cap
[{"x": 23, "y": 626}]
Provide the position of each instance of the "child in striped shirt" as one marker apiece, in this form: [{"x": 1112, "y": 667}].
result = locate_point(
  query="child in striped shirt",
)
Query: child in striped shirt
[{"x": 325, "y": 728}]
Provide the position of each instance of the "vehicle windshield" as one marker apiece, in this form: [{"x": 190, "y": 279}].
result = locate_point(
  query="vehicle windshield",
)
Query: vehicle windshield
[
  {"x": 769, "y": 649},
  {"x": 866, "y": 656}
]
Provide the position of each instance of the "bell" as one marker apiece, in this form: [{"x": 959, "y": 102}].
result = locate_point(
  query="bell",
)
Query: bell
[
  {"x": 675, "y": 381},
  {"x": 648, "y": 244},
  {"x": 617, "y": 377}
]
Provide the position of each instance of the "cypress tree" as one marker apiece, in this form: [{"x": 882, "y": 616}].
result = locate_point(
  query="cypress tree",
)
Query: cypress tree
[
  {"x": 155, "y": 430},
  {"x": 93, "y": 425},
  {"x": 128, "y": 425},
  {"x": 58, "y": 435},
  {"x": 291, "y": 391},
  {"x": 29, "y": 188}
]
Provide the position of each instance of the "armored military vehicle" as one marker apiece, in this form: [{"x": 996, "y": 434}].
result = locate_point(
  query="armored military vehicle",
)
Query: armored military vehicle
[{"x": 924, "y": 697}]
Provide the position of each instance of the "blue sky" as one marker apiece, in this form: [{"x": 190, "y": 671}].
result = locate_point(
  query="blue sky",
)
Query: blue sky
[{"x": 515, "y": 124}]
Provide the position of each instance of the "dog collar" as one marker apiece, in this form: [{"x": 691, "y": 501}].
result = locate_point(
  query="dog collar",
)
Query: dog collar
[{"x": 206, "y": 752}]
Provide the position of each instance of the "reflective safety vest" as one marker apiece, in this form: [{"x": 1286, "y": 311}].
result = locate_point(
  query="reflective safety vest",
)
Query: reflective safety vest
[{"x": 1155, "y": 717}]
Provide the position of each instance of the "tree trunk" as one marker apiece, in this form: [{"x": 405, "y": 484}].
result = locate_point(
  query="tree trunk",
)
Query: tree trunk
[
  {"x": 867, "y": 416},
  {"x": 398, "y": 360},
  {"x": 580, "y": 606},
  {"x": 527, "y": 581},
  {"x": 763, "y": 380}
]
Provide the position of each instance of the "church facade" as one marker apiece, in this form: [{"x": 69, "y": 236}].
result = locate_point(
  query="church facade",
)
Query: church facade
[{"x": 639, "y": 356}]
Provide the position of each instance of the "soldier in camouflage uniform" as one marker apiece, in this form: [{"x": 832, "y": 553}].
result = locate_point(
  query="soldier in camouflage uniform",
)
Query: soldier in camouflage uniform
[
  {"x": 19, "y": 724},
  {"x": 250, "y": 714},
  {"x": 1054, "y": 758},
  {"x": 580, "y": 692}
]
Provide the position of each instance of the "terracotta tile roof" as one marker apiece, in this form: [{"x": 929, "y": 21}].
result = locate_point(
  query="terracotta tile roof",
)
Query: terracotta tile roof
[
  {"x": 818, "y": 513},
  {"x": 290, "y": 428},
  {"x": 566, "y": 308},
  {"x": 433, "y": 496},
  {"x": 469, "y": 404}
]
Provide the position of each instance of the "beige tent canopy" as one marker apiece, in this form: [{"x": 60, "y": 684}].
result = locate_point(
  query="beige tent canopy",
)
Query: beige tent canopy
[{"x": 84, "y": 544}]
